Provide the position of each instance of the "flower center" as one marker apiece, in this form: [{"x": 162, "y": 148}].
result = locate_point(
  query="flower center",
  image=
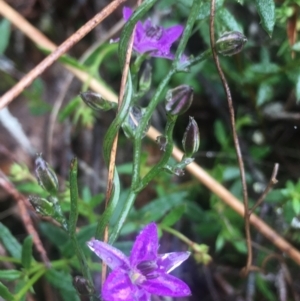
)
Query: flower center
[
  {"x": 148, "y": 269},
  {"x": 154, "y": 32}
]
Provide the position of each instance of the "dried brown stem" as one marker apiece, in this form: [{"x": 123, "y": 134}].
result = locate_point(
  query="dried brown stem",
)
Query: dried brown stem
[
  {"x": 234, "y": 133},
  {"x": 112, "y": 159},
  {"x": 198, "y": 172},
  {"x": 59, "y": 51},
  {"x": 21, "y": 202},
  {"x": 270, "y": 185}
]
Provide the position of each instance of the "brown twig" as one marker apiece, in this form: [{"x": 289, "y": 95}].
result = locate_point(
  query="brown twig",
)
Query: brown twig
[
  {"x": 198, "y": 172},
  {"x": 58, "y": 52},
  {"x": 21, "y": 202},
  {"x": 270, "y": 185},
  {"x": 235, "y": 136},
  {"x": 112, "y": 159}
]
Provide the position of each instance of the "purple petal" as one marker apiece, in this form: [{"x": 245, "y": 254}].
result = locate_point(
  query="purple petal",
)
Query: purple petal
[
  {"x": 113, "y": 257},
  {"x": 145, "y": 246},
  {"x": 167, "y": 285},
  {"x": 118, "y": 287},
  {"x": 165, "y": 55},
  {"x": 170, "y": 35},
  {"x": 169, "y": 261},
  {"x": 127, "y": 12}
]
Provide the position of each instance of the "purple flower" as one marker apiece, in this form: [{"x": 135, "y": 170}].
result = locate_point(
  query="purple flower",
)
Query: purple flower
[
  {"x": 144, "y": 273},
  {"x": 152, "y": 39}
]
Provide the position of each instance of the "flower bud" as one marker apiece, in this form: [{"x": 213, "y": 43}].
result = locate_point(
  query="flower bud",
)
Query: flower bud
[
  {"x": 45, "y": 175},
  {"x": 191, "y": 138},
  {"x": 230, "y": 43},
  {"x": 41, "y": 205},
  {"x": 145, "y": 79},
  {"x": 96, "y": 102},
  {"x": 162, "y": 141},
  {"x": 179, "y": 99},
  {"x": 132, "y": 121}
]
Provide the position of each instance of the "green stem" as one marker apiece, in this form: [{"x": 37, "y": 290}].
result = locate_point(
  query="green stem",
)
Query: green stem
[
  {"x": 30, "y": 283},
  {"x": 73, "y": 198},
  {"x": 166, "y": 156},
  {"x": 194, "y": 12},
  {"x": 141, "y": 128}
]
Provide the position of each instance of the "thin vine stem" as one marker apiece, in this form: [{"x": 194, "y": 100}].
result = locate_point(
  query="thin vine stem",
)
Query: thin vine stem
[{"x": 235, "y": 137}]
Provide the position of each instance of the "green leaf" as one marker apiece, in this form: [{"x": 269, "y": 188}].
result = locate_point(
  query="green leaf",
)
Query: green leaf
[
  {"x": 10, "y": 274},
  {"x": 5, "y": 294},
  {"x": 27, "y": 252},
  {"x": 10, "y": 243},
  {"x": 5, "y": 34},
  {"x": 298, "y": 89},
  {"x": 63, "y": 282},
  {"x": 221, "y": 134},
  {"x": 266, "y": 10},
  {"x": 228, "y": 21},
  {"x": 204, "y": 10},
  {"x": 128, "y": 28},
  {"x": 296, "y": 205},
  {"x": 264, "y": 94},
  {"x": 173, "y": 216},
  {"x": 159, "y": 207}
]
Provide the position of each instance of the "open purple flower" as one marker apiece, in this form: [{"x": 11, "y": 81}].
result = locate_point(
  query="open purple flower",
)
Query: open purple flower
[
  {"x": 152, "y": 39},
  {"x": 144, "y": 273}
]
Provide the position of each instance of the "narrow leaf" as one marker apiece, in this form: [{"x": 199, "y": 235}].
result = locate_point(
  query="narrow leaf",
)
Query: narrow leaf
[
  {"x": 27, "y": 252},
  {"x": 10, "y": 274},
  {"x": 266, "y": 10},
  {"x": 5, "y": 294},
  {"x": 10, "y": 243},
  {"x": 5, "y": 34},
  {"x": 73, "y": 197},
  {"x": 63, "y": 282},
  {"x": 173, "y": 216}
]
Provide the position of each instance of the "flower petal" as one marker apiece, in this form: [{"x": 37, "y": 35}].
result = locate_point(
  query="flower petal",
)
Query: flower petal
[
  {"x": 118, "y": 287},
  {"x": 169, "y": 261},
  {"x": 113, "y": 257},
  {"x": 169, "y": 36},
  {"x": 127, "y": 12},
  {"x": 145, "y": 246},
  {"x": 166, "y": 285}
]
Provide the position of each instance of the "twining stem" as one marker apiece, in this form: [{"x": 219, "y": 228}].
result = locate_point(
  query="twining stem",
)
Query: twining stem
[{"x": 235, "y": 137}]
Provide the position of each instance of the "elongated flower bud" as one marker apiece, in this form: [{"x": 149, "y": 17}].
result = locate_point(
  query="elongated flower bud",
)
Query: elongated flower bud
[
  {"x": 191, "y": 138},
  {"x": 230, "y": 43},
  {"x": 45, "y": 175},
  {"x": 96, "y": 102},
  {"x": 41, "y": 205},
  {"x": 179, "y": 99},
  {"x": 145, "y": 79}
]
